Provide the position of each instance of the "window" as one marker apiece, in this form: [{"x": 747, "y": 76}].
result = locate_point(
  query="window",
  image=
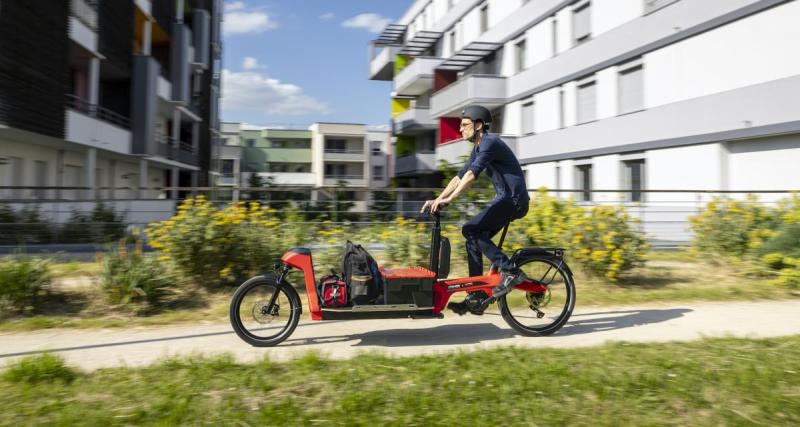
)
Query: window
[
  {"x": 633, "y": 174},
  {"x": 587, "y": 110},
  {"x": 377, "y": 172},
  {"x": 583, "y": 180},
  {"x": 250, "y": 143},
  {"x": 376, "y": 148},
  {"x": 484, "y": 18},
  {"x": 631, "y": 88},
  {"x": 519, "y": 49},
  {"x": 581, "y": 22},
  {"x": 335, "y": 145},
  {"x": 227, "y": 166},
  {"x": 453, "y": 41},
  {"x": 527, "y": 117},
  {"x": 561, "y": 108},
  {"x": 335, "y": 169},
  {"x": 554, "y": 29},
  {"x": 426, "y": 144},
  {"x": 40, "y": 177}
]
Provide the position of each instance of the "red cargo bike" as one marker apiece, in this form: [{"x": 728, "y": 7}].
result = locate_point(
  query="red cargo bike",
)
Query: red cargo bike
[{"x": 266, "y": 309}]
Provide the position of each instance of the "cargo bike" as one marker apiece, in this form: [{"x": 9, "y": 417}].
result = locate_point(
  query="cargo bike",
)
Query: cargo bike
[{"x": 266, "y": 309}]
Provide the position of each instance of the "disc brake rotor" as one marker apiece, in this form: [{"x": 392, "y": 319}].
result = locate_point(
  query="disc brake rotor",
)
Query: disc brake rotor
[{"x": 262, "y": 313}]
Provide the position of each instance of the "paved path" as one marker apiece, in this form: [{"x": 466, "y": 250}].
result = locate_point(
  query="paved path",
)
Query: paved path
[{"x": 92, "y": 349}]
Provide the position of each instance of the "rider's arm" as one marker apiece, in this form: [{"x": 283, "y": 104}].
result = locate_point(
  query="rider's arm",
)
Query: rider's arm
[
  {"x": 450, "y": 188},
  {"x": 462, "y": 185}
]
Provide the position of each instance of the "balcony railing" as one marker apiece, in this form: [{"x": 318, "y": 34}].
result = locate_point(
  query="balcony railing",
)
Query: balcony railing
[
  {"x": 344, "y": 151},
  {"x": 184, "y": 152},
  {"x": 81, "y": 105},
  {"x": 344, "y": 176},
  {"x": 486, "y": 90},
  {"x": 86, "y": 12}
]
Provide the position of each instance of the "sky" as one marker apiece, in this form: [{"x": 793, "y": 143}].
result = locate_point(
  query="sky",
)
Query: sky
[{"x": 303, "y": 61}]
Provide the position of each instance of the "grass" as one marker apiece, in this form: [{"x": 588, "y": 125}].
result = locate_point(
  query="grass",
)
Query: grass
[
  {"x": 669, "y": 277},
  {"x": 709, "y": 382}
]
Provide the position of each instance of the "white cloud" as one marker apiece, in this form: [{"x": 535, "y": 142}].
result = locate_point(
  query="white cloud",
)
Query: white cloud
[
  {"x": 250, "y": 90},
  {"x": 372, "y": 22},
  {"x": 239, "y": 19},
  {"x": 232, "y": 6},
  {"x": 250, "y": 63},
  {"x": 327, "y": 16}
]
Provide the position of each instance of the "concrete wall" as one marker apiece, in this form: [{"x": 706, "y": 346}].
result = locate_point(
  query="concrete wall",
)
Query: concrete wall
[{"x": 753, "y": 50}]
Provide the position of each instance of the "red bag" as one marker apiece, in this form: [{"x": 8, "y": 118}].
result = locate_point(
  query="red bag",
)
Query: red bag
[{"x": 332, "y": 292}]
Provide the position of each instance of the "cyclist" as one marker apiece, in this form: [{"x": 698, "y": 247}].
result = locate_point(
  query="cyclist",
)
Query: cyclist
[{"x": 511, "y": 202}]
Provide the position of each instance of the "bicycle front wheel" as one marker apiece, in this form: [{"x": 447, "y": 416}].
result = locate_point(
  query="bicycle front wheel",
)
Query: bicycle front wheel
[{"x": 264, "y": 312}]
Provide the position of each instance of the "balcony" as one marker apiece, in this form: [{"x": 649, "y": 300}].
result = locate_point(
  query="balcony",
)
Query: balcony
[
  {"x": 414, "y": 120},
  {"x": 486, "y": 90},
  {"x": 184, "y": 152},
  {"x": 95, "y": 126},
  {"x": 381, "y": 66},
  {"x": 352, "y": 180},
  {"x": 85, "y": 11},
  {"x": 347, "y": 155},
  {"x": 227, "y": 179},
  {"x": 417, "y": 77},
  {"x": 415, "y": 163},
  {"x": 290, "y": 178}
]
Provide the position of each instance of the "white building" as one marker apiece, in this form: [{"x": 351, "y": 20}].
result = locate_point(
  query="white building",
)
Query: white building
[
  {"x": 323, "y": 155},
  {"x": 614, "y": 94}
]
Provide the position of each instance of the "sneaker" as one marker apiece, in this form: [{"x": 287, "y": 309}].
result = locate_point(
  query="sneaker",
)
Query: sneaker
[
  {"x": 459, "y": 308},
  {"x": 510, "y": 279}
]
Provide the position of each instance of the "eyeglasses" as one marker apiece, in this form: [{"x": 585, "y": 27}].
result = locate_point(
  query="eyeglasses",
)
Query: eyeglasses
[{"x": 465, "y": 125}]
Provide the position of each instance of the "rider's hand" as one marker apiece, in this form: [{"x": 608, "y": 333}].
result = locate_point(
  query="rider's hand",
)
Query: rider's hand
[
  {"x": 426, "y": 206},
  {"x": 440, "y": 204}
]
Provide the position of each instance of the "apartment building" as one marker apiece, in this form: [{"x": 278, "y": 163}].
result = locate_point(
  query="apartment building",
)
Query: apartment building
[
  {"x": 612, "y": 94},
  {"x": 108, "y": 94},
  {"x": 323, "y": 155}
]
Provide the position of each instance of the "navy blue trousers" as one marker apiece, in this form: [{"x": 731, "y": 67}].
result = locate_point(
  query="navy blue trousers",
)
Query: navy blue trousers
[{"x": 479, "y": 231}]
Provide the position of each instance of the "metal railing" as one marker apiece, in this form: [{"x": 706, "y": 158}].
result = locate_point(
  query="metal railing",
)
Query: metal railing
[
  {"x": 662, "y": 216},
  {"x": 81, "y": 105},
  {"x": 345, "y": 150}
]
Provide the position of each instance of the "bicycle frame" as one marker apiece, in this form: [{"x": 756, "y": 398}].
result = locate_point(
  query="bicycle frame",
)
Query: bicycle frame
[{"x": 300, "y": 258}]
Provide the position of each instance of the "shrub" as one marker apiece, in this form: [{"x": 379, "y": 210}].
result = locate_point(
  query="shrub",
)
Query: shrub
[
  {"x": 215, "y": 246},
  {"x": 38, "y": 369},
  {"x": 407, "y": 242},
  {"x": 22, "y": 280},
  {"x": 601, "y": 239},
  {"x": 133, "y": 278},
  {"x": 605, "y": 243},
  {"x": 786, "y": 241},
  {"x": 25, "y": 226},
  {"x": 102, "y": 225},
  {"x": 732, "y": 228}
]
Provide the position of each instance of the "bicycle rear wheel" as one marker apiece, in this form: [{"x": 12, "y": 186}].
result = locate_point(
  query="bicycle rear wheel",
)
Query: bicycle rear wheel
[{"x": 538, "y": 314}]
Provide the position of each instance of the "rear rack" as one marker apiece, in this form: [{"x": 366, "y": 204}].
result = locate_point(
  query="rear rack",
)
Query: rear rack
[{"x": 556, "y": 252}]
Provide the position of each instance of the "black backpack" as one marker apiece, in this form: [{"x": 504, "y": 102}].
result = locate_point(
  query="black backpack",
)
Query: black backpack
[{"x": 361, "y": 275}]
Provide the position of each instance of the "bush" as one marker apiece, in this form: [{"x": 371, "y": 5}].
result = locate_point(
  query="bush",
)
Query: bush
[
  {"x": 601, "y": 239},
  {"x": 22, "y": 280},
  {"x": 102, "y": 225},
  {"x": 732, "y": 228},
  {"x": 38, "y": 369},
  {"x": 407, "y": 242},
  {"x": 23, "y": 227},
  {"x": 213, "y": 246},
  {"x": 132, "y": 278},
  {"x": 786, "y": 241}
]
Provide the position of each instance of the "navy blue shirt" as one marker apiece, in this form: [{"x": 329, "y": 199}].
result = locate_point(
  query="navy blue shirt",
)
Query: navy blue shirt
[{"x": 501, "y": 165}]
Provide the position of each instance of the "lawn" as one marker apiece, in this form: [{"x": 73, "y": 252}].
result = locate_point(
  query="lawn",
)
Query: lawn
[
  {"x": 709, "y": 382},
  {"x": 668, "y": 276}
]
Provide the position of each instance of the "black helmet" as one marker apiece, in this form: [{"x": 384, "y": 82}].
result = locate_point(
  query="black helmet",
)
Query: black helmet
[{"x": 475, "y": 113}]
